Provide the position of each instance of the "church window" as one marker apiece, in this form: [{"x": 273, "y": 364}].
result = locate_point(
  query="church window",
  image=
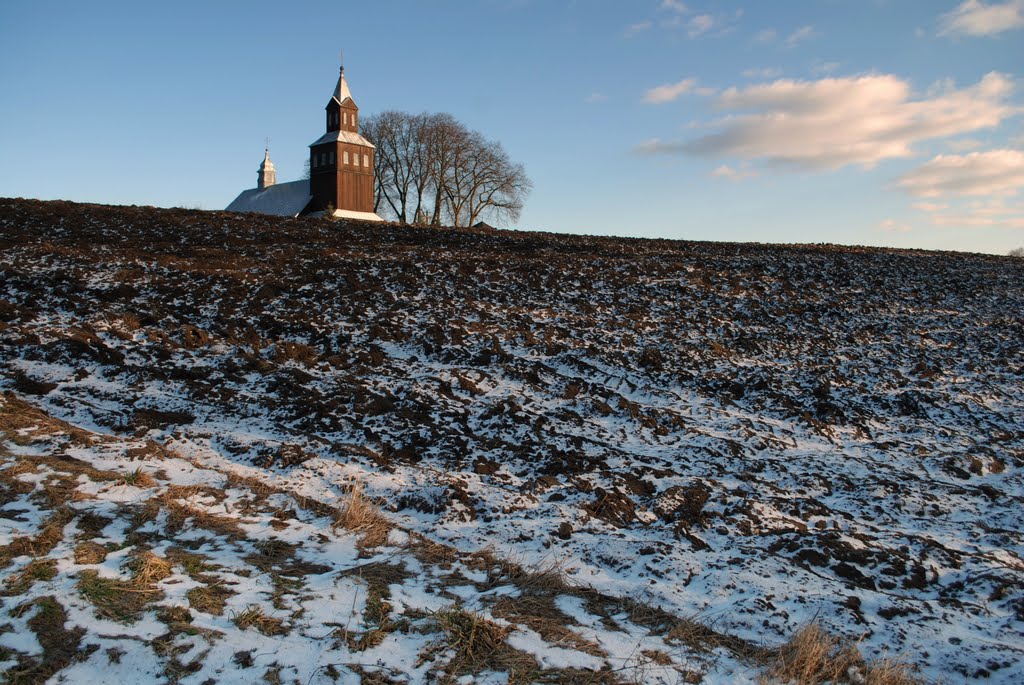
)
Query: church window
[
  {"x": 345, "y": 156},
  {"x": 366, "y": 160},
  {"x": 346, "y": 118},
  {"x": 330, "y": 158}
]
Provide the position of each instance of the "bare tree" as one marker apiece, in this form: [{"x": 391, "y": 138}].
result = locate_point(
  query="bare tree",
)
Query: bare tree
[
  {"x": 431, "y": 168},
  {"x": 485, "y": 181},
  {"x": 1016, "y": 252},
  {"x": 396, "y": 136}
]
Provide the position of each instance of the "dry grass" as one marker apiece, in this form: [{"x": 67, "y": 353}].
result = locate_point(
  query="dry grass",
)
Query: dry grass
[
  {"x": 90, "y": 524},
  {"x": 812, "y": 656},
  {"x": 253, "y": 616},
  {"x": 548, "y": 577},
  {"x": 539, "y": 613},
  {"x": 361, "y": 515},
  {"x": 209, "y": 599},
  {"x": 41, "y": 543},
  {"x": 16, "y": 414},
  {"x": 377, "y": 618},
  {"x": 477, "y": 643},
  {"x": 431, "y": 552},
  {"x": 117, "y": 600},
  {"x": 60, "y": 647},
  {"x": 147, "y": 568},
  {"x": 194, "y": 565},
  {"x": 90, "y": 553},
  {"x": 36, "y": 570},
  {"x": 180, "y": 513},
  {"x": 258, "y": 487},
  {"x": 138, "y": 478},
  {"x": 890, "y": 672}
]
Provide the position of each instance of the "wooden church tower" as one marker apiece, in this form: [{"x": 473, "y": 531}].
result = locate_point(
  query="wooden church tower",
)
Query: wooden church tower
[{"x": 341, "y": 161}]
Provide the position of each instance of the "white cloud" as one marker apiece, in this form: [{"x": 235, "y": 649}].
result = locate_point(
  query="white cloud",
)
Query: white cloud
[
  {"x": 931, "y": 206},
  {"x": 702, "y": 23},
  {"x": 651, "y": 146},
  {"x": 762, "y": 72},
  {"x": 976, "y": 18},
  {"x": 893, "y": 226},
  {"x": 677, "y": 16},
  {"x": 639, "y": 27},
  {"x": 595, "y": 97},
  {"x": 798, "y": 36},
  {"x": 734, "y": 174},
  {"x": 984, "y": 213},
  {"x": 977, "y": 221},
  {"x": 996, "y": 172},
  {"x": 793, "y": 39},
  {"x": 975, "y": 190},
  {"x": 835, "y": 122},
  {"x": 669, "y": 91}
]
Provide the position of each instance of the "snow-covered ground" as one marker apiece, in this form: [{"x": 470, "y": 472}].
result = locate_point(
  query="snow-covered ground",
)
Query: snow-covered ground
[{"x": 751, "y": 437}]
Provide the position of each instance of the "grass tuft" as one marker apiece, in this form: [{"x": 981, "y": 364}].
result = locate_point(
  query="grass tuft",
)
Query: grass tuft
[
  {"x": 475, "y": 640},
  {"x": 116, "y": 600},
  {"x": 812, "y": 657},
  {"x": 90, "y": 553},
  {"x": 209, "y": 599},
  {"x": 254, "y": 616},
  {"x": 361, "y": 515},
  {"x": 147, "y": 568},
  {"x": 138, "y": 478},
  {"x": 35, "y": 570}
]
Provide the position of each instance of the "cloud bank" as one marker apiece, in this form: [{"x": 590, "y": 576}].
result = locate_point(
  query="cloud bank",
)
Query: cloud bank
[
  {"x": 834, "y": 122},
  {"x": 996, "y": 172},
  {"x": 975, "y": 190},
  {"x": 976, "y": 18}
]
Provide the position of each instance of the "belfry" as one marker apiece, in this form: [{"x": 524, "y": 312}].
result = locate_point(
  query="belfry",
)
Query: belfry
[{"x": 341, "y": 160}]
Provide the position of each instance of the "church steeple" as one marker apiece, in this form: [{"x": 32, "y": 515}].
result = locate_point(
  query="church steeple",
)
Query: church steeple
[
  {"x": 341, "y": 109},
  {"x": 341, "y": 91},
  {"x": 266, "y": 176},
  {"x": 341, "y": 161}
]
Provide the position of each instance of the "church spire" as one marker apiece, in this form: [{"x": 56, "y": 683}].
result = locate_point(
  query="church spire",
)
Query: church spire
[
  {"x": 266, "y": 176},
  {"x": 341, "y": 91}
]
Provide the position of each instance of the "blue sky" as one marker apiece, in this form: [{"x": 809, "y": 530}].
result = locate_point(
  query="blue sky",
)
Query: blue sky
[{"x": 849, "y": 121}]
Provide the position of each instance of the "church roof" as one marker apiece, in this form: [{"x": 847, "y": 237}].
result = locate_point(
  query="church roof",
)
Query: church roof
[
  {"x": 341, "y": 91},
  {"x": 342, "y": 136},
  {"x": 282, "y": 199}
]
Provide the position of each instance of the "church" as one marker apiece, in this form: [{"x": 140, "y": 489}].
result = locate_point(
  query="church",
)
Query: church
[{"x": 340, "y": 171}]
